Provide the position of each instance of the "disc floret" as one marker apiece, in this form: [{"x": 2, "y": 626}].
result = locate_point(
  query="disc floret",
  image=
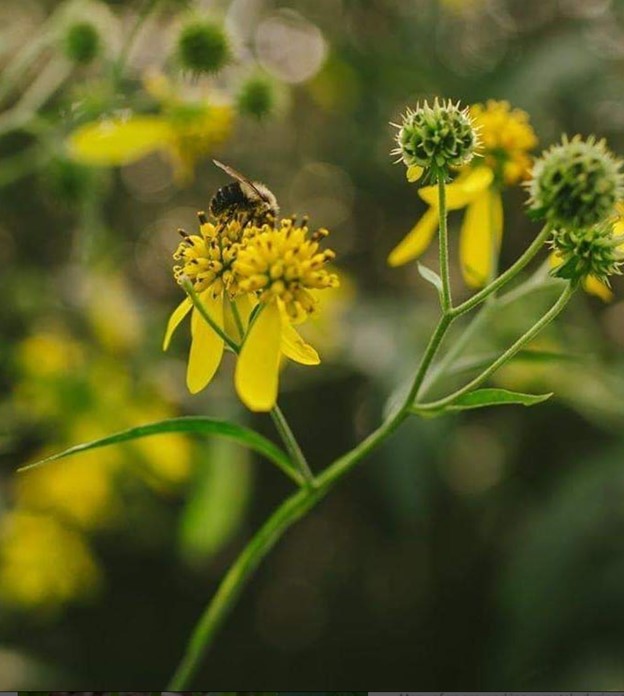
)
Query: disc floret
[
  {"x": 207, "y": 259},
  {"x": 283, "y": 264},
  {"x": 436, "y": 138},
  {"x": 575, "y": 184}
]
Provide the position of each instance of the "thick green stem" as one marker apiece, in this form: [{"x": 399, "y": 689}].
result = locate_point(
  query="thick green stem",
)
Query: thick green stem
[{"x": 292, "y": 446}]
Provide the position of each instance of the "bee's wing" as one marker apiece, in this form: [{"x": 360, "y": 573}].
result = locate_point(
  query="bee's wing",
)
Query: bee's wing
[{"x": 239, "y": 177}]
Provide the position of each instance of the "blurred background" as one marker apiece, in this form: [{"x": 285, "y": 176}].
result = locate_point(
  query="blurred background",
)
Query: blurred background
[{"x": 483, "y": 551}]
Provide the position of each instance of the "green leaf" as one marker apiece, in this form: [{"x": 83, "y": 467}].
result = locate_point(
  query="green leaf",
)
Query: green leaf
[
  {"x": 198, "y": 425},
  {"x": 481, "y": 398},
  {"x": 430, "y": 276}
]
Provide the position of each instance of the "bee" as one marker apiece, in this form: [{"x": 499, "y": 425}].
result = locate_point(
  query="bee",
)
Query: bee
[{"x": 252, "y": 200}]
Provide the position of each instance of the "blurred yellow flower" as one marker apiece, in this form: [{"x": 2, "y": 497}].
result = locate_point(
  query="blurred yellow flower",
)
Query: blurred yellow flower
[
  {"x": 506, "y": 137},
  {"x": 44, "y": 563},
  {"x": 167, "y": 459},
  {"x": 185, "y": 131},
  {"x": 80, "y": 490},
  {"x": 112, "y": 311},
  {"x": 48, "y": 353}
]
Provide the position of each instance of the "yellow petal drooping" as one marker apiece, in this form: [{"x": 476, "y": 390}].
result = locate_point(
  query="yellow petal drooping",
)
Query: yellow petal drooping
[
  {"x": 480, "y": 238},
  {"x": 257, "y": 369},
  {"x": 206, "y": 345},
  {"x": 596, "y": 287},
  {"x": 462, "y": 191},
  {"x": 118, "y": 142},
  {"x": 295, "y": 348},
  {"x": 174, "y": 320},
  {"x": 416, "y": 240}
]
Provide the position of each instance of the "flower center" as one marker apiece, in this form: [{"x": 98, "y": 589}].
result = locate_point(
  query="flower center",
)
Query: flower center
[
  {"x": 206, "y": 259},
  {"x": 284, "y": 264}
]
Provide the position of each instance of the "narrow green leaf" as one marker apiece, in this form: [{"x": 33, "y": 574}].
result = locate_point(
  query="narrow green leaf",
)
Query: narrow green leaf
[
  {"x": 430, "y": 276},
  {"x": 198, "y": 425},
  {"x": 481, "y": 398}
]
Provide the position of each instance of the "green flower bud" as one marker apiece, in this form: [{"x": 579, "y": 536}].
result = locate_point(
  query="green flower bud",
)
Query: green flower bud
[
  {"x": 256, "y": 98},
  {"x": 575, "y": 184},
  {"x": 436, "y": 138},
  {"x": 81, "y": 43},
  {"x": 590, "y": 251},
  {"x": 203, "y": 47}
]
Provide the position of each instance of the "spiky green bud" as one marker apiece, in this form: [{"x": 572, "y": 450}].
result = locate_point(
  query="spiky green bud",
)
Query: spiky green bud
[
  {"x": 256, "y": 97},
  {"x": 81, "y": 43},
  {"x": 436, "y": 138},
  {"x": 590, "y": 251},
  {"x": 575, "y": 184},
  {"x": 203, "y": 47}
]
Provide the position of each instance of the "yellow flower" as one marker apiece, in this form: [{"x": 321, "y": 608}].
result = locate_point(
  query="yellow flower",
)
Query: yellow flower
[
  {"x": 254, "y": 283},
  {"x": 184, "y": 131},
  {"x": 80, "y": 490},
  {"x": 44, "y": 563},
  {"x": 506, "y": 137}
]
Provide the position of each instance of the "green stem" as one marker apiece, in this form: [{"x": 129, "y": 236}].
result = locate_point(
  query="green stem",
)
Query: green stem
[
  {"x": 526, "y": 337},
  {"x": 199, "y": 306},
  {"x": 237, "y": 319},
  {"x": 538, "y": 281},
  {"x": 505, "y": 277},
  {"x": 120, "y": 64},
  {"x": 40, "y": 91},
  {"x": 446, "y": 299},
  {"x": 292, "y": 446}
]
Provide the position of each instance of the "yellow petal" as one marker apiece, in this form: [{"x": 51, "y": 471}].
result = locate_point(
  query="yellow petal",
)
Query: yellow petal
[
  {"x": 413, "y": 173},
  {"x": 295, "y": 348},
  {"x": 206, "y": 345},
  {"x": 554, "y": 259},
  {"x": 596, "y": 287},
  {"x": 257, "y": 369},
  {"x": 480, "y": 238},
  {"x": 417, "y": 239},
  {"x": 118, "y": 142},
  {"x": 174, "y": 320},
  {"x": 462, "y": 191}
]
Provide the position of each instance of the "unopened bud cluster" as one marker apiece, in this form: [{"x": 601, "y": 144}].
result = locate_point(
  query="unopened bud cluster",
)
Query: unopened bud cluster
[
  {"x": 575, "y": 184},
  {"x": 575, "y": 187},
  {"x": 436, "y": 138}
]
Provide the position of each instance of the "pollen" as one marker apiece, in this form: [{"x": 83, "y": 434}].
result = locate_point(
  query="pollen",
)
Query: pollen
[
  {"x": 507, "y": 137},
  {"x": 285, "y": 263}
]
